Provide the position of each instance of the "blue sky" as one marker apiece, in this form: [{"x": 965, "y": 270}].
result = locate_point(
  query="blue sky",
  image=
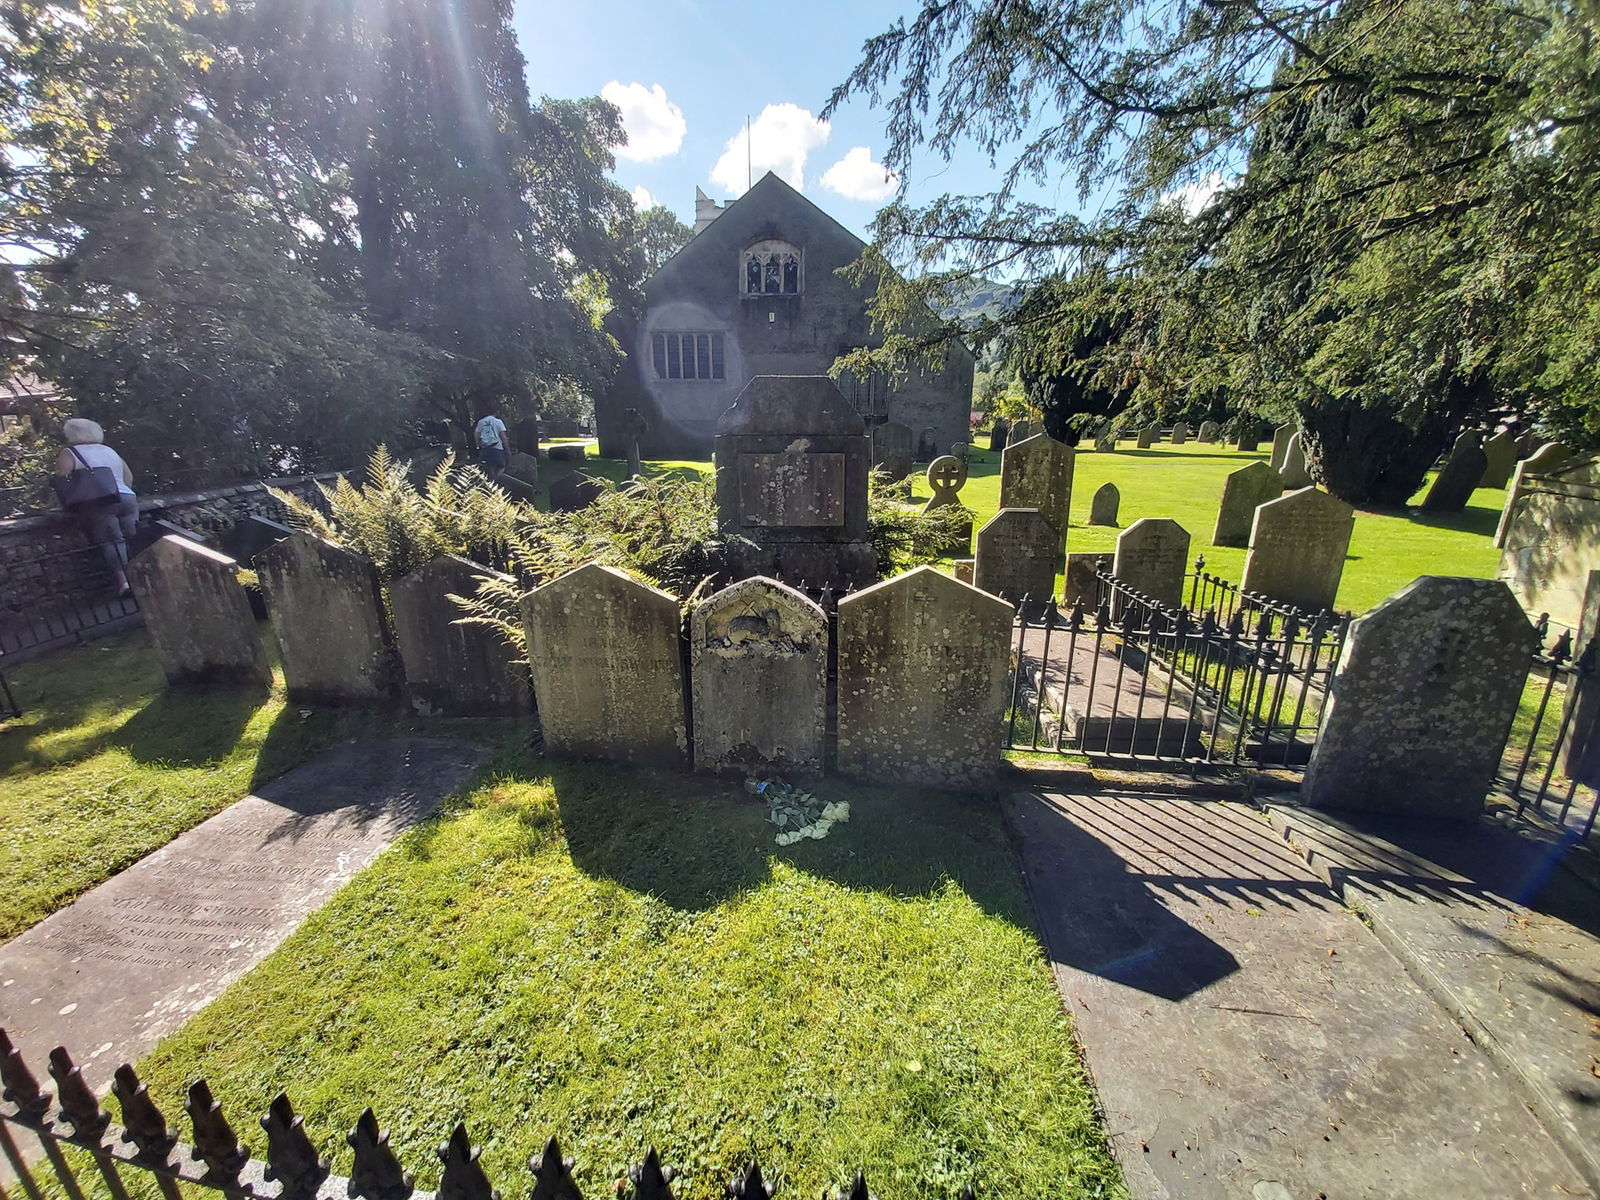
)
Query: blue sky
[{"x": 687, "y": 73}]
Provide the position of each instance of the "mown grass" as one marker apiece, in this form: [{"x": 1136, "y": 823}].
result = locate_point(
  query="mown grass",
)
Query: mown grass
[
  {"x": 626, "y": 959},
  {"x": 107, "y": 764}
]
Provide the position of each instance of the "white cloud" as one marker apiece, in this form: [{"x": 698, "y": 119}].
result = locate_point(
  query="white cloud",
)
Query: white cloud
[
  {"x": 643, "y": 198},
  {"x": 857, "y": 177},
  {"x": 780, "y": 139},
  {"x": 654, "y": 124},
  {"x": 1196, "y": 197}
]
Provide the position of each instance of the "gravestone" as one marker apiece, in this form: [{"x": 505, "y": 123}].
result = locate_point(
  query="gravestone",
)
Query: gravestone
[
  {"x": 997, "y": 436},
  {"x": 1152, "y": 556},
  {"x": 1037, "y": 473},
  {"x": 1180, "y": 434},
  {"x": 923, "y": 665},
  {"x": 891, "y": 449},
  {"x": 1298, "y": 546},
  {"x": 958, "y": 451},
  {"x": 523, "y": 467},
  {"x": 1149, "y": 435},
  {"x": 198, "y": 615},
  {"x": 567, "y": 452},
  {"x": 573, "y": 492},
  {"x": 964, "y": 568},
  {"x": 1552, "y": 538},
  {"x": 1103, "y": 508},
  {"x": 1020, "y": 432},
  {"x": 946, "y": 476},
  {"x": 1542, "y": 461},
  {"x": 1106, "y": 440},
  {"x": 249, "y": 536},
  {"x": 1249, "y": 438},
  {"x": 1293, "y": 470},
  {"x": 1547, "y": 457},
  {"x": 326, "y": 609},
  {"x": 1458, "y": 477},
  {"x": 607, "y": 668},
  {"x": 758, "y": 657},
  {"x": 453, "y": 669},
  {"x": 1280, "y": 446},
  {"x": 1501, "y": 451},
  {"x": 1419, "y": 712},
  {"x": 1016, "y": 556},
  {"x": 927, "y": 445},
  {"x": 1209, "y": 431},
  {"x": 792, "y": 461},
  {"x": 1081, "y": 585},
  {"x": 1244, "y": 491}
]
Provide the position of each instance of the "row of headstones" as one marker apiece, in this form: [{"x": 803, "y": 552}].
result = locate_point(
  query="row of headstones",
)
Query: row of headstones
[
  {"x": 922, "y": 658},
  {"x": 1106, "y": 437}
]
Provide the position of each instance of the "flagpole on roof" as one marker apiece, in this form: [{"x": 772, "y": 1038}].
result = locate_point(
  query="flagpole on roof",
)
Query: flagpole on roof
[{"x": 749, "y": 171}]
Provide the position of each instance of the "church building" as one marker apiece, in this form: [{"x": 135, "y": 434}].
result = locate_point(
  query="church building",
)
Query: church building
[{"x": 756, "y": 292}]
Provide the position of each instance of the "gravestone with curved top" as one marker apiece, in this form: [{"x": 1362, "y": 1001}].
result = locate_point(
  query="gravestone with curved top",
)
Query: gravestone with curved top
[
  {"x": 1209, "y": 431},
  {"x": 1551, "y": 542},
  {"x": 1152, "y": 556},
  {"x": 892, "y": 449},
  {"x": 1103, "y": 508},
  {"x": 1180, "y": 434},
  {"x": 758, "y": 657},
  {"x": 1293, "y": 470},
  {"x": 1149, "y": 435},
  {"x": 1280, "y": 446},
  {"x": 1037, "y": 473},
  {"x": 1298, "y": 545},
  {"x": 1501, "y": 452},
  {"x": 1459, "y": 477}
]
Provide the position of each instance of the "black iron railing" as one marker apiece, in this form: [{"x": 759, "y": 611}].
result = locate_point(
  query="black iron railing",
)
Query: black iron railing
[
  {"x": 65, "y": 595},
  {"x": 1551, "y": 767}
]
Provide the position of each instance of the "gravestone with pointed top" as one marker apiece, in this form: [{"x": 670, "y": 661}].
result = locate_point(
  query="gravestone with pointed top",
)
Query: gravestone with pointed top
[
  {"x": 1037, "y": 473},
  {"x": 758, "y": 665},
  {"x": 607, "y": 667},
  {"x": 923, "y": 662},
  {"x": 1418, "y": 715},
  {"x": 1180, "y": 434},
  {"x": 1016, "y": 556},
  {"x": 327, "y": 612},
  {"x": 1458, "y": 478},
  {"x": 891, "y": 449},
  {"x": 958, "y": 450},
  {"x": 198, "y": 614},
  {"x": 454, "y": 668},
  {"x": 1293, "y": 470},
  {"x": 1103, "y": 508},
  {"x": 1280, "y": 446},
  {"x": 1501, "y": 453},
  {"x": 1244, "y": 491},
  {"x": 1298, "y": 545},
  {"x": 1152, "y": 556}
]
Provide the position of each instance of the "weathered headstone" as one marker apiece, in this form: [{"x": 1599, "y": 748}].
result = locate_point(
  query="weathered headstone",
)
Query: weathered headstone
[
  {"x": 1180, "y": 434},
  {"x": 198, "y": 615},
  {"x": 326, "y": 609},
  {"x": 1419, "y": 712},
  {"x": 607, "y": 667},
  {"x": 574, "y": 491},
  {"x": 964, "y": 568},
  {"x": 1244, "y": 491},
  {"x": 1016, "y": 555},
  {"x": 792, "y": 462},
  {"x": 1037, "y": 473},
  {"x": 1293, "y": 470},
  {"x": 1248, "y": 438},
  {"x": 927, "y": 445},
  {"x": 997, "y": 436},
  {"x": 249, "y": 536},
  {"x": 1103, "y": 508},
  {"x": 1152, "y": 556},
  {"x": 1458, "y": 477},
  {"x": 958, "y": 450},
  {"x": 758, "y": 658},
  {"x": 923, "y": 661},
  {"x": 1020, "y": 432},
  {"x": 1552, "y": 538},
  {"x": 1501, "y": 451},
  {"x": 1280, "y": 446},
  {"x": 1548, "y": 457},
  {"x": 568, "y": 452},
  {"x": 1081, "y": 584},
  {"x": 891, "y": 449},
  {"x": 1106, "y": 440},
  {"x": 1298, "y": 545},
  {"x": 1209, "y": 431},
  {"x": 946, "y": 476},
  {"x": 523, "y": 467},
  {"x": 453, "y": 669},
  {"x": 1149, "y": 435},
  {"x": 1541, "y": 462}
]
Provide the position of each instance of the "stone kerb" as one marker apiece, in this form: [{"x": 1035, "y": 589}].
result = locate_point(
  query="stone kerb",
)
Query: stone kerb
[
  {"x": 1037, "y": 473},
  {"x": 326, "y": 609},
  {"x": 198, "y": 614},
  {"x": 1244, "y": 491},
  {"x": 607, "y": 663},
  {"x": 453, "y": 668},
  {"x": 1016, "y": 556},
  {"x": 758, "y": 657},
  {"x": 1419, "y": 711},
  {"x": 1152, "y": 556},
  {"x": 923, "y": 661},
  {"x": 1298, "y": 545}
]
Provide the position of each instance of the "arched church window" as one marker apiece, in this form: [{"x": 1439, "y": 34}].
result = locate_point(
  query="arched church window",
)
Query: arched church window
[{"x": 772, "y": 268}]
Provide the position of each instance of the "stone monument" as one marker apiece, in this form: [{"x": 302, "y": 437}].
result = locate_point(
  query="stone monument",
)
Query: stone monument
[
  {"x": 1244, "y": 491},
  {"x": 1149, "y": 435},
  {"x": 1280, "y": 446},
  {"x": 1293, "y": 470},
  {"x": 1209, "y": 431},
  {"x": 1501, "y": 452},
  {"x": 1298, "y": 545},
  {"x": 452, "y": 668},
  {"x": 1552, "y": 538},
  {"x": 1458, "y": 477},
  {"x": 1103, "y": 508},
  {"x": 1180, "y": 434},
  {"x": 198, "y": 614},
  {"x": 891, "y": 449},
  {"x": 574, "y": 491},
  {"x": 997, "y": 436},
  {"x": 1037, "y": 473},
  {"x": 1152, "y": 556},
  {"x": 1016, "y": 556}
]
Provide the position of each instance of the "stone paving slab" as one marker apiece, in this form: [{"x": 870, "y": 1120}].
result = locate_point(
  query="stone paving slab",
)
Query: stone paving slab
[
  {"x": 1110, "y": 707},
  {"x": 1248, "y": 1036},
  {"x": 124, "y": 965},
  {"x": 1506, "y": 944}
]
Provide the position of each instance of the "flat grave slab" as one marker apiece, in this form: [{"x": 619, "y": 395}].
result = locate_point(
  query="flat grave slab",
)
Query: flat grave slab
[{"x": 126, "y": 964}]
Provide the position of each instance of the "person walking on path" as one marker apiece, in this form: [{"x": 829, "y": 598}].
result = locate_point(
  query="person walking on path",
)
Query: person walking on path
[
  {"x": 490, "y": 434},
  {"x": 109, "y": 521}
]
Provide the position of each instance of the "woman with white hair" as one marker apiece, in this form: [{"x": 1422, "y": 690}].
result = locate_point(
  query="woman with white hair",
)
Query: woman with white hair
[{"x": 111, "y": 524}]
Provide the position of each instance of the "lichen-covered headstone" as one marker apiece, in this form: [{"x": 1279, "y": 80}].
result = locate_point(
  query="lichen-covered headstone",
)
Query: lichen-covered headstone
[
  {"x": 1298, "y": 545},
  {"x": 1149, "y": 435},
  {"x": 923, "y": 662},
  {"x": 1501, "y": 452},
  {"x": 758, "y": 666},
  {"x": 1293, "y": 470},
  {"x": 1180, "y": 434},
  {"x": 198, "y": 615},
  {"x": 1152, "y": 556},
  {"x": 607, "y": 667},
  {"x": 1458, "y": 478},
  {"x": 1418, "y": 714},
  {"x": 453, "y": 668},
  {"x": 1209, "y": 431},
  {"x": 326, "y": 608},
  {"x": 1280, "y": 446},
  {"x": 1103, "y": 508},
  {"x": 1552, "y": 538},
  {"x": 1244, "y": 491},
  {"x": 1016, "y": 555},
  {"x": 891, "y": 449},
  {"x": 1106, "y": 440},
  {"x": 1020, "y": 432},
  {"x": 1037, "y": 473}
]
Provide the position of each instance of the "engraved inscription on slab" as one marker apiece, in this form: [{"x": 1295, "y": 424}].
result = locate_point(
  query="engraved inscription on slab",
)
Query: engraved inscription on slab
[{"x": 791, "y": 490}]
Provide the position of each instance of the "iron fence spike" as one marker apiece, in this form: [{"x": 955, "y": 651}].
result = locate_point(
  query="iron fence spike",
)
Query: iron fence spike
[
  {"x": 463, "y": 1177},
  {"x": 651, "y": 1181},
  {"x": 215, "y": 1143},
  {"x": 376, "y": 1173},
  {"x": 143, "y": 1124},
  {"x": 291, "y": 1158},
  {"x": 17, "y": 1082},
  {"x": 750, "y": 1185},
  {"x": 552, "y": 1174},
  {"x": 78, "y": 1103}
]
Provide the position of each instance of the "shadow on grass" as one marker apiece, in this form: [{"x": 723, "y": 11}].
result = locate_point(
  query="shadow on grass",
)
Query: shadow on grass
[
  {"x": 189, "y": 727},
  {"x": 1473, "y": 519}
]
